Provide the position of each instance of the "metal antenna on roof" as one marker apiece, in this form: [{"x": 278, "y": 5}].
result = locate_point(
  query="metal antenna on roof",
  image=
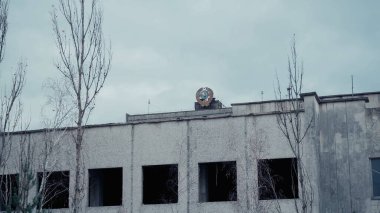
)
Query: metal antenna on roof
[
  {"x": 262, "y": 95},
  {"x": 352, "y": 85},
  {"x": 148, "y": 105}
]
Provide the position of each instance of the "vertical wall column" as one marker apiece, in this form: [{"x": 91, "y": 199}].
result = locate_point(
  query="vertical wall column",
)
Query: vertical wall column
[{"x": 311, "y": 144}]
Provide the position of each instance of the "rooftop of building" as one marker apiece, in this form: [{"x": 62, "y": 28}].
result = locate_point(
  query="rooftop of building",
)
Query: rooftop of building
[{"x": 255, "y": 108}]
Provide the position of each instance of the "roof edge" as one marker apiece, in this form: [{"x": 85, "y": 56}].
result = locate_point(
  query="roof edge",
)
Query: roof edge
[
  {"x": 262, "y": 102},
  {"x": 89, "y": 126},
  {"x": 365, "y": 99},
  {"x": 352, "y": 94}
]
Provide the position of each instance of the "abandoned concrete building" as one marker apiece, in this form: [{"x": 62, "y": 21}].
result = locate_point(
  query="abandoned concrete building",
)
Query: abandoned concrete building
[{"x": 209, "y": 159}]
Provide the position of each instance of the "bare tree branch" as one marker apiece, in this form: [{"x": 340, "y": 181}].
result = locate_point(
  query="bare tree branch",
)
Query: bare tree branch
[
  {"x": 85, "y": 66},
  {"x": 290, "y": 122},
  {"x": 4, "y": 5}
]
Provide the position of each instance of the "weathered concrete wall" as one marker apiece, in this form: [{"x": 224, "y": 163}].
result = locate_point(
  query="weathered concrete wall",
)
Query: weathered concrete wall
[
  {"x": 186, "y": 143},
  {"x": 341, "y": 140},
  {"x": 349, "y": 138},
  {"x": 373, "y": 147}
]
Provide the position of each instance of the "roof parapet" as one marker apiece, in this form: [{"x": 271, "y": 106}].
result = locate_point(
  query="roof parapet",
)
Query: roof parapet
[
  {"x": 178, "y": 116},
  {"x": 302, "y": 95}
]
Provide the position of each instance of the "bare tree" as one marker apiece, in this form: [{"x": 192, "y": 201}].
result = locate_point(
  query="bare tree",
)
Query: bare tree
[
  {"x": 10, "y": 110},
  {"x": 294, "y": 126},
  {"x": 3, "y": 26},
  {"x": 3, "y": 31},
  {"x": 84, "y": 66},
  {"x": 16, "y": 188},
  {"x": 33, "y": 155},
  {"x": 52, "y": 146}
]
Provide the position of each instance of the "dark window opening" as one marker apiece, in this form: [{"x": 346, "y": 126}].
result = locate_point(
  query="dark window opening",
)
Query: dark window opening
[
  {"x": 375, "y": 164},
  {"x": 217, "y": 182},
  {"x": 105, "y": 187},
  {"x": 55, "y": 194},
  {"x": 277, "y": 179},
  {"x": 160, "y": 184},
  {"x": 9, "y": 192}
]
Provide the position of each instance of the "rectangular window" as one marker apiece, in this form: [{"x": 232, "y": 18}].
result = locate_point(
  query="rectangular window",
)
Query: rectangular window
[
  {"x": 9, "y": 192},
  {"x": 105, "y": 187},
  {"x": 160, "y": 184},
  {"x": 277, "y": 178},
  {"x": 56, "y": 189},
  {"x": 375, "y": 164},
  {"x": 217, "y": 181}
]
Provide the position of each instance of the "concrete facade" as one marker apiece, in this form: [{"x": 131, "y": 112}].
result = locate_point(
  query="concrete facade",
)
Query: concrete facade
[{"x": 343, "y": 138}]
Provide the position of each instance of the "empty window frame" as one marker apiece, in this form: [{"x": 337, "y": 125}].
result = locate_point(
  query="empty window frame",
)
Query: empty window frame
[
  {"x": 160, "y": 184},
  {"x": 9, "y": 192},
  {"x": 277, "y": 178},
  {"x": 55, "y": 194},
  {"x": 217, "y": 181},
  {"x": 375, "y": 164},
  {"x": 105, "y": 187}
]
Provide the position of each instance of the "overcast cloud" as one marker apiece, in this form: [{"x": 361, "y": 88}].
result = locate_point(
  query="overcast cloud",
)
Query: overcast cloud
[{"x": 164, "y": 50}]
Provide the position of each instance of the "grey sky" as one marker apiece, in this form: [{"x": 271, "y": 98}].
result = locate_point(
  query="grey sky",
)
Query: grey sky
[{"x": 165, "y": 50}]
